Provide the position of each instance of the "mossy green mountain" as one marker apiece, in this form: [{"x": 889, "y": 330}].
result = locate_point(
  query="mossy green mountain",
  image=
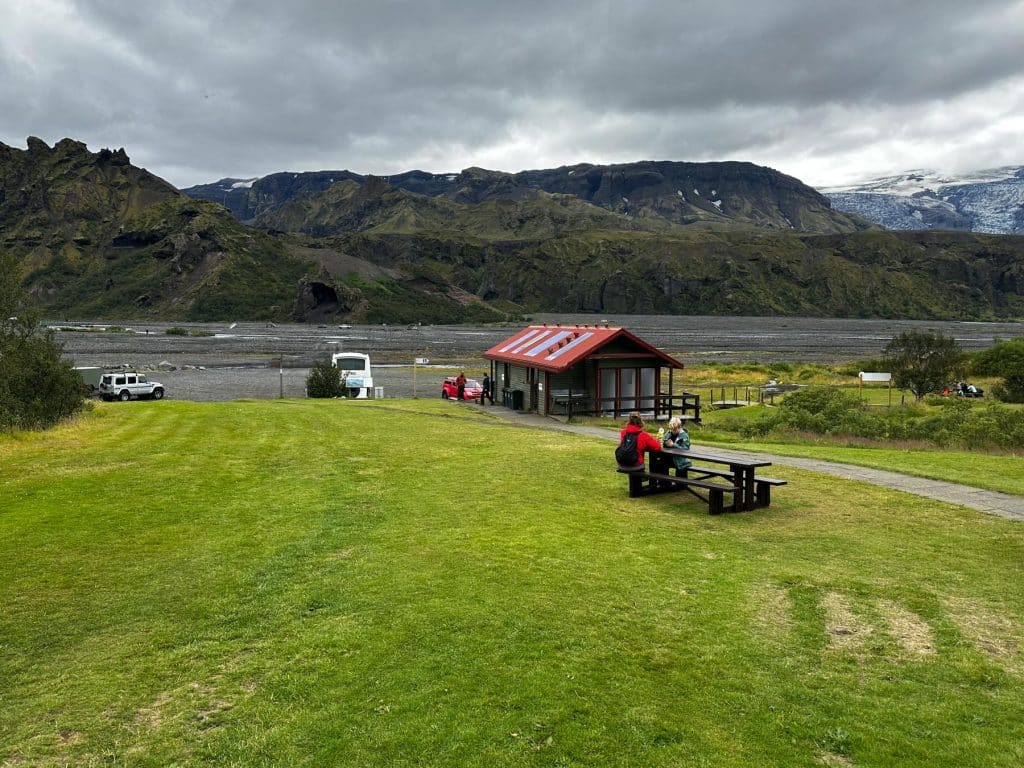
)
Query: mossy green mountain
[
  {"x": 867, "y": 274},
  {"x": 99, "y": 238}
]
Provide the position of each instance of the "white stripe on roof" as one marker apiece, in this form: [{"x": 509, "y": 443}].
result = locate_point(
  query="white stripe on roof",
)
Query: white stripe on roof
[
  {"x": 525, "y": 336},
  {"x": 543, "y": 334},
  {"x": 547, "y": 343},
  {"x": 570, "y": 345}
]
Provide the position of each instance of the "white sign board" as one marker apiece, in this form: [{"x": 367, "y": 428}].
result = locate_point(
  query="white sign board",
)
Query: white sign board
[
  {"x": 875, "y": 376},
  {"x": 422, "y": 361}
]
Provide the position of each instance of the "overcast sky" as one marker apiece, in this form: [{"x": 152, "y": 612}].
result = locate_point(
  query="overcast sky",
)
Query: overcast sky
[{"x": 829, "y": 91}]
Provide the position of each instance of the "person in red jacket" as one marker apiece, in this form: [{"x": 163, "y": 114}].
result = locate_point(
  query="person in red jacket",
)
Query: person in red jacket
[{"x": 645, "y": 441}]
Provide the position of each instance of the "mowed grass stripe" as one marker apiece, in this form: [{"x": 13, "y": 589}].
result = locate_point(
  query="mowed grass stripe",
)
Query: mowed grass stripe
[{"x": 304, "y": 582}]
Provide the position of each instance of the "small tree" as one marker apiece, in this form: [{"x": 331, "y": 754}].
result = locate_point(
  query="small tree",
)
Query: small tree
[
  {"x": 37, "y": 388},
  {"x": 922, "y": 361},
  {"x": 324, "y": 380}
]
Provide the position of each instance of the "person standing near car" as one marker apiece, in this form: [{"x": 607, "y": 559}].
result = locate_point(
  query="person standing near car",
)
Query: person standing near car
[
  {"x": 486, "y": 391},
  {"x": 460, "y": 384}
]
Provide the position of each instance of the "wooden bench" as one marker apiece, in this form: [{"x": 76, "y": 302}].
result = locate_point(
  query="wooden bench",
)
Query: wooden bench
[
  {"x": 763, "y": 489},
  {"x": 762, "y": 485},
  {"x": 660, "y": 483}
]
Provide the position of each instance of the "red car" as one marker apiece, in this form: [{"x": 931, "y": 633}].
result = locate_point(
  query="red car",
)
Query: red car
[{"x": 450, "y": 390}]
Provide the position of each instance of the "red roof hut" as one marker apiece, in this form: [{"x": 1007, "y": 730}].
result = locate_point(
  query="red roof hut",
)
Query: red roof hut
[{"x": 593, "y": 369}]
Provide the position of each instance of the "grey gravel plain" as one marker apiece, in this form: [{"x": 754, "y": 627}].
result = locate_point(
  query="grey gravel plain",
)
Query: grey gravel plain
[{"x": 228, "y": 361}]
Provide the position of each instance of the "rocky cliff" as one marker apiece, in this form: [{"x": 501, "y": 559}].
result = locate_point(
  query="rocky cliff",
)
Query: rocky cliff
[
  {"x": 724, "y": 194},
  {"x": 97, "y": 237}
]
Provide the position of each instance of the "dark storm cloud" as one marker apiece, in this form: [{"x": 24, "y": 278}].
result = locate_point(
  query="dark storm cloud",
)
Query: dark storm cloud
[{"x": 198, "y": 90}]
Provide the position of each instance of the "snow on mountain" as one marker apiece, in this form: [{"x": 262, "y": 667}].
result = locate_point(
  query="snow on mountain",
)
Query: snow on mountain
[{"x": 981, "y": 201}]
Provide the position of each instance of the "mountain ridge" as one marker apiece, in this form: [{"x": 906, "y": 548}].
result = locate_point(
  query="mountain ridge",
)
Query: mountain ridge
[
  {"x": 96, "y": 237},
  {"x": 725, "y": 193}
]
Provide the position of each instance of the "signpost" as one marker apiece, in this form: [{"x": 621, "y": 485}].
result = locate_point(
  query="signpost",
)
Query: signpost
[
  {"x": 416, "y": 362},
  {"x": 865, "y": 376},
  {"x": 278, "y": 362}
]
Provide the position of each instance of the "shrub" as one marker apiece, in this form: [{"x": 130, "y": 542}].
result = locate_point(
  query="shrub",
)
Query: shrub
[
  {"x": 1011, "y": 389},
  {"x": 1005, "y": 359},
  {"x": 821, "y": 400},
  {"x": 37, "y": 388},
  {"x": 1001, "y": 357},
  {"x": 176, "y": 330},
  {"x": 324, "y": 380}
]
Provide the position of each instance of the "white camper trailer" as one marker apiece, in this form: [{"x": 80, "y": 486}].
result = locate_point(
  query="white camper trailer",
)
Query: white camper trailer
[{"x": 356, "y": 375}]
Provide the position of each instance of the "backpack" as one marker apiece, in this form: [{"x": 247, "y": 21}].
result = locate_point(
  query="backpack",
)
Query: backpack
[{"x": 626, "y": 454}]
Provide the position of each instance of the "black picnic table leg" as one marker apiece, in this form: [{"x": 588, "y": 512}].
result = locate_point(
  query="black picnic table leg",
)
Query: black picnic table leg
[
  {"x": 748, "y": 490},
  {"x": 636, "y": 487},
  {"x": 715, "y": 503},
  {"x": 738, "y": 496}
]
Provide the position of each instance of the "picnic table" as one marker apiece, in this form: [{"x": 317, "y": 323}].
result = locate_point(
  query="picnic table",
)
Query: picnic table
[
  {"x": 707, "y": 479},
  {"x": 572, "y": 402}
]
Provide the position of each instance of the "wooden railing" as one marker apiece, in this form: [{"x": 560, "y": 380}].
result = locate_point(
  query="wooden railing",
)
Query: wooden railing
[{"x": 685, "y": 405}]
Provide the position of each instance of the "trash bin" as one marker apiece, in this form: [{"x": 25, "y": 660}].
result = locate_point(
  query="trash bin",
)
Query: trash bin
[
  {"x": 506, "y": 398},
  {"x": 517, "y": 400}
]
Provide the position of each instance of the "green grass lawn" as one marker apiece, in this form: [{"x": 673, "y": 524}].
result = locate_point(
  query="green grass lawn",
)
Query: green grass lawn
[
  {"x": 402, "y": 583},
  {"x": 993, "y": 472},
  {"x": 980, "y": 469}
]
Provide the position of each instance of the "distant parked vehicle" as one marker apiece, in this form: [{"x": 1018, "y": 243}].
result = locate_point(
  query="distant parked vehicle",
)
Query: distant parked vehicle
[
  {"x": 356, "y": 374},
  {"x": 450, "y": 390},
  {"x": 129, "y": 385},
  {"x": 90, "y": 376}
]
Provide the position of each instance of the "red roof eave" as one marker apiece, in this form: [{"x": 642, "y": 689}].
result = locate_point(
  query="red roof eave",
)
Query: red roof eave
[{"x": 558, "y": 348}]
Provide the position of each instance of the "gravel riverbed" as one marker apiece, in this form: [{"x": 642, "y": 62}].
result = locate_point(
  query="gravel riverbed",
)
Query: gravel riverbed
[{"x": 228, "y": 361}]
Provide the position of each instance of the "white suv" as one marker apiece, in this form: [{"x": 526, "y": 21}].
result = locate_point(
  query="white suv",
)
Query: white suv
[{"x": 124, "y": 385}]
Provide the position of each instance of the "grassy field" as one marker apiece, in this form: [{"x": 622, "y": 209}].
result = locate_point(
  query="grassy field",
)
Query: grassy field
[
  {"x": 409, "y": 583},
  {"x": 981, "y": 469},
  {"x": 724, "y": 380}
]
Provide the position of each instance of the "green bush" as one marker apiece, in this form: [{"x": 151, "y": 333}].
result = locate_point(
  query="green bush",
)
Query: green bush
[
  {"x": 1011, "y": 389},
  {"x": 1001, "y": 357},
  {"x": 1005, "y": 359},
  {"x": 947, "y": 422},
  {"x": 176, "y": 330},
  {"x": 37, "y": 388},
  {"x": 324, "y": 380}
]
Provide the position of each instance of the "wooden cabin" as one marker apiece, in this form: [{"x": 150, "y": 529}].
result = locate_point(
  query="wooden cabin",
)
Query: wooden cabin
[{"x": 587, "y": 369}]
